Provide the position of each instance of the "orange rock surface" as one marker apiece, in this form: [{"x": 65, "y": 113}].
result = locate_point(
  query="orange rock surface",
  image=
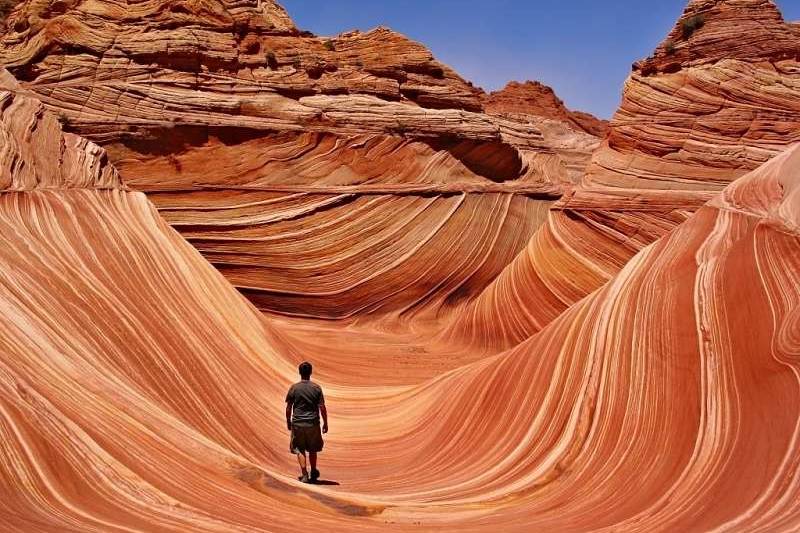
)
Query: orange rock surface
[
  {"x": 139, "y": 388},
  {"x": 682, "y": 133},
  {"x": 535, "y": 98},
  {"x": 247, "y": 133},
  {"x": 572, "y": 134},
  {"x": 712, "y": 103},
  {"x": 500, "y": 350}
]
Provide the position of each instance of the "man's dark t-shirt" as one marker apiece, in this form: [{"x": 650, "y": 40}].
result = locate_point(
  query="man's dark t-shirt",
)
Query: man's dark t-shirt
[{"x": 305, "y": 398}]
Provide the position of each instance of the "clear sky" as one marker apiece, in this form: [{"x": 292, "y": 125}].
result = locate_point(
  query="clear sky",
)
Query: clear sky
[{"x": 582, "y": 48}]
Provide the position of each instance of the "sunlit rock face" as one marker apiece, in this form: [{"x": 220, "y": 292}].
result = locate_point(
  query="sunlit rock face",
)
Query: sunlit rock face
[
  {"x": 250, "y": 136},
  {"x": 122, "y": 354},
  {"x": 501, "y": 350},
  {"x": 720, "y": 94},
  {"x": 718, "y": 98},
  {"x": 141, "y": 391},
  {"x": 536, "y": 99}
]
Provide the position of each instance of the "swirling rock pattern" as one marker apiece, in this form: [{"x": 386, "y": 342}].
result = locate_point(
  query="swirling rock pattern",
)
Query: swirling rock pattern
[
  {"x": 141, "y": 391},
  {"x": 631, "y": 366},
  {"x": 247, "y": 133},
  {"x": 35, "y": 154},
  {"x": 711, "y": 105}
]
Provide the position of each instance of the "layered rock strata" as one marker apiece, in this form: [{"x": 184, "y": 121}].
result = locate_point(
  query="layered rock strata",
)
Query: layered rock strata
[
  {"x": 572, "y": 134},
  {"x": 719, "y": 97},
  {"x": 138, "y": 385},
  {"x": 537, "y": 99},
  {"x": 248, "y": 133}
]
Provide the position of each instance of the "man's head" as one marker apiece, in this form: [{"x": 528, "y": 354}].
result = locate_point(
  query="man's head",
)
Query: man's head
[{"x": 305, "y": 370}]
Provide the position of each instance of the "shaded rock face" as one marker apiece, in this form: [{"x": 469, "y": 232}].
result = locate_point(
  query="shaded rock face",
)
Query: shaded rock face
[
  {"x": 247, "y": 132},
  {"x": 6, "y": 6}
]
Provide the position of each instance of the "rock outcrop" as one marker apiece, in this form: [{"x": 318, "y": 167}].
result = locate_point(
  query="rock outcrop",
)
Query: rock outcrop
[
  {"x": 6, "y": 7},
  {"x": 247, "y": 132},
  {"x": 535, "y": 98},
  {"x": 721, "y": 94},
  {"x": 682, "y": 134},
  {"x": 572, "y": 134},
  {"x": 36, "y": 155}
]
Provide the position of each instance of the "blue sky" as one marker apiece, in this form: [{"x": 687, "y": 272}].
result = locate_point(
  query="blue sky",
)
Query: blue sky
[{"x": 582, "y": 48}]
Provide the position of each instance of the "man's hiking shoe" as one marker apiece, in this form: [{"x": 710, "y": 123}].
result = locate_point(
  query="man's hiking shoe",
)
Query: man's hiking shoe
[
  {"x": 303, "y": 478},
  {"x": 314, "y": 475}
]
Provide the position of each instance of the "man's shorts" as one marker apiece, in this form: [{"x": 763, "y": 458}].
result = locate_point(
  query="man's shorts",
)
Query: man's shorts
[{"x": 306, "y": 439}]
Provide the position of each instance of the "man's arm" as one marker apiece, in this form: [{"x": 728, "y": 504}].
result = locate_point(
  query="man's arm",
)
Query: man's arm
[
  {"x": 289, "y": 405},
  {"x": 324, "y": 412}
]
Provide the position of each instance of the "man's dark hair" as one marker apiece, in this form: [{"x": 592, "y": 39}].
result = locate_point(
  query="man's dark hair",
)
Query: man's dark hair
[{"x": 305, "y": 370}]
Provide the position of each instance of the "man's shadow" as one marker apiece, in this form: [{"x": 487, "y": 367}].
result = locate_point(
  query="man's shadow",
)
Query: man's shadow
[{"x": 325, "y": 482}]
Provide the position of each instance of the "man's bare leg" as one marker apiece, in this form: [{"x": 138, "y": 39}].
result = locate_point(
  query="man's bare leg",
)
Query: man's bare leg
[{"x": 301, "y": 460}]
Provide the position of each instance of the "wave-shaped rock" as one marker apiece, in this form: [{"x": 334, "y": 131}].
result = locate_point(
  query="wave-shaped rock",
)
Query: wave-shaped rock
[
  {"x": 138, "y": 385},
  {"x": 680, "y": 136},
  {"x": 647, "y": 331},
  {"x": 109, "y": 319},
  {"x": 246, "y": 132}
]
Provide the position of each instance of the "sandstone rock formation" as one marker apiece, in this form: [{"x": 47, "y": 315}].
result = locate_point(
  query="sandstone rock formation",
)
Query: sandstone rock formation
[
  {"x": 721, "y": 94},
  {"x": 109, "y": 318},
  {"x": 572, "y": 134},
  {"x": 138, "y": 385},
  {"x": 535, "y": 98},
  {"x": 246, "y": 133},
  {"x": 37, "y": 156},
  {"x": 707, "y": 108},
  {"x": 423, "y": 245}
]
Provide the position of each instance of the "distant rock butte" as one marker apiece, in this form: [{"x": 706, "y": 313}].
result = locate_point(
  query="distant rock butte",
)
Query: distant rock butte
[
  {"x": 572, "y": 134},
  {"x": 714, "y": 30},
  {"x": 535, "y": 98}
]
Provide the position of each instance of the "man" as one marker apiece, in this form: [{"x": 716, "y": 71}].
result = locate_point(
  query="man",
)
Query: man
[{"x": 304, "y": 403}]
